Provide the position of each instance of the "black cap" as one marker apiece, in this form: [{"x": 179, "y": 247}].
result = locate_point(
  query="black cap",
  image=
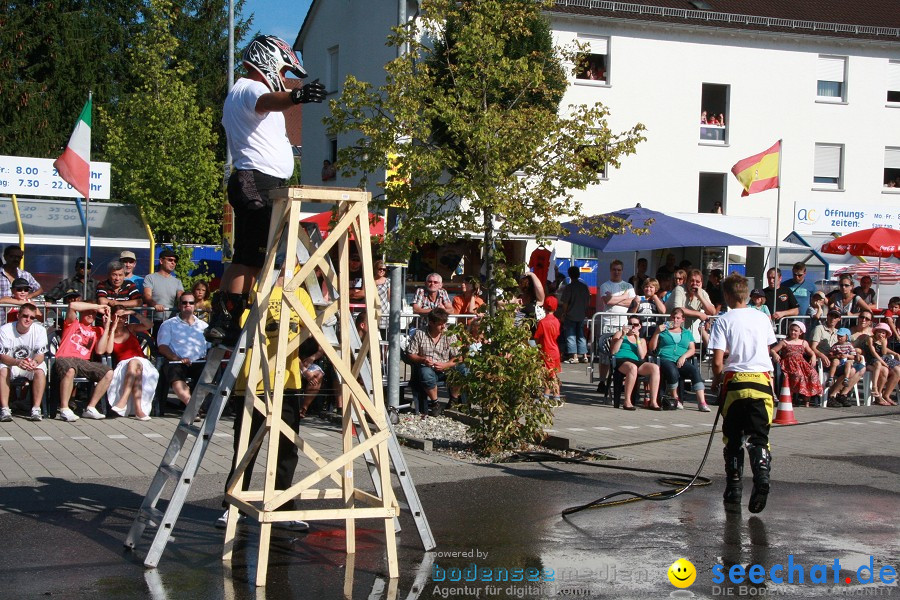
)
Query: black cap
[
  {"x": 834, "y": 313},
  {"x": 71, "y": 293},
  {"x": 79, "y": 263},
  {"x": 758, "y": 292},
  {"x": 20, "y": 282},
  {"x": 167, "y": 253}
]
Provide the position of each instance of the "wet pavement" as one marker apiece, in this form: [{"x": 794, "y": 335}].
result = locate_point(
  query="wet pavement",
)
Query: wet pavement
[{"x": 836, "y": 494}]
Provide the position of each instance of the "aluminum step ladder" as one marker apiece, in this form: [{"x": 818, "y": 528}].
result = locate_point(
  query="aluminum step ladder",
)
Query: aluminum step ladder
[{"x": 219, "y": 385}]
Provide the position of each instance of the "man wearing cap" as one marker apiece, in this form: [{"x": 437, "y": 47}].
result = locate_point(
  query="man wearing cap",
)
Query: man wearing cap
[
  {"x": 81, "y": 339},
  {"x": 76, "y": 281},
  {"x": 22, "y": 348},
  {"x": 162, "y": 289},
  {"x": 129, "y": 260},
  {"x": 118, "y": 290},
  {"x": 12, "y": 259},
  {"x": 21, "y": 290}
]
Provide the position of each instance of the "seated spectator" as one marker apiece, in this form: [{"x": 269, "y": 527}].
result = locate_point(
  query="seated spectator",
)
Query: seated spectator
[
  {"x": 180, "y": 342},
  {"x": 674, "y": 346},
  {"x": 630, "y": 351},
  {"x": 21, "y": 290},
  {"x": 129, "y": 261},
  {"x": 845, "y": 357},
  {"x": 862, "y": 329},
  {"x": 432, "y": 354},
  {"x": 116, "y": 289},
  {"x": 470, "y": 300},
  {"x": 890, "y": 317},
  {"x": 161, "y": 289},
  {"x": 318, "y": 374},
  {"x": 81, "y": 339},
  {"x": 844, "y": 300},
  {"x": 77, "y": 282},
  {"x": 357, "y": 293},
  {"x": 432, "y": 296},
  {"x": 134, "y": 378},
  {"x": 12, "y": 258},
  {"x": 329, "y": 173},
  {"x": 884, "y": 364},
  {"x": 824, "y": 338},
  {"x": 202, "y": 303},
  {"x": 865, "y": 290},
  {"x": 23, "y": 346}
]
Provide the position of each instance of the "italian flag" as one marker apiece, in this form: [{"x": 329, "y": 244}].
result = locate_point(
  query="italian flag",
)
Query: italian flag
[{"x": 74, "y": 165}]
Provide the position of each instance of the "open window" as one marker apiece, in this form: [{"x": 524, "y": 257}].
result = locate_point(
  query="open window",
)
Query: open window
[
  {"x": 892, "y": 169},
  {"x": 714, "y": 113},
  {"x": 711, "y": 193},
  {"x": 592, "y": 66}
]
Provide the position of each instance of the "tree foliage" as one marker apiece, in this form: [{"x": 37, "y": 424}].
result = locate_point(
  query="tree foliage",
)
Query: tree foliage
[
  {"x": 504, "y": 383},
  {"x": 161, "y": 143},
  {"x": 470, "y": 116}
]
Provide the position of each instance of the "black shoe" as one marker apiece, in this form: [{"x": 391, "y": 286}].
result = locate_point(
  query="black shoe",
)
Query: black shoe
[
  {"x": 761, "y": 463},
  {"x": 734, "y": 472},
  {"x": 225, "y": 321},
  {"x": 601, "y": 388},
  {"x": 436, "y": 409}
]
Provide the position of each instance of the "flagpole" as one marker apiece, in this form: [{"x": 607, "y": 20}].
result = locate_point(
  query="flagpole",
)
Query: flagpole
[
  {"x": 87, "y": 236},
  {"x": 778, "y": 224}
]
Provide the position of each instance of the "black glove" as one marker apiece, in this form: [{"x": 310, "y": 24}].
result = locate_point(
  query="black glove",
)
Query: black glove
[{"x": 311, "y": 92}]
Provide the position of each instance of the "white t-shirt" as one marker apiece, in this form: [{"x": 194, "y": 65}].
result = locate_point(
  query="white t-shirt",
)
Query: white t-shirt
[
  {"x": 617, "y": 289},
  {"x": 746, "y": 334},
  {"x": 27, "y": 345},
  {"x": 256, "y": 140}
]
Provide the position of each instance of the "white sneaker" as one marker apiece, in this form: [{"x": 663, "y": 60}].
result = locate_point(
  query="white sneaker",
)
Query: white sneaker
[
  {"x": 91, "y": 412},
  {"x": 67, "y": 415},
  {"x": 222, "y": 522},
  {"x": 5, "y": 415},
  {"x": 291, "y": 525},
  {"x": 35, "y": 414}
]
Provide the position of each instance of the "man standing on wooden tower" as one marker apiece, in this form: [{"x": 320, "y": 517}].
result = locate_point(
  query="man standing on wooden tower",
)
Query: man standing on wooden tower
[{"x": 262, "y": 160}]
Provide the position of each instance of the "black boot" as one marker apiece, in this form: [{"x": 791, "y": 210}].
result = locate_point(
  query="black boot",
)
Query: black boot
[
  {"x": 225, "y": 322},
  {"x": 734, "y": 472},
  {"x": 761, "y": 464}
]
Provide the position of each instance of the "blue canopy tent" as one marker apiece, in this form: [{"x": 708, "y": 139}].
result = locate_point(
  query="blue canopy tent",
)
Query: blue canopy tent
[{"x": 661, "y": 231}]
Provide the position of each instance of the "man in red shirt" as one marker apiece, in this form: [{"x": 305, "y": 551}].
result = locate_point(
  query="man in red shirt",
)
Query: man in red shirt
[{"x": 80, "y": 340}]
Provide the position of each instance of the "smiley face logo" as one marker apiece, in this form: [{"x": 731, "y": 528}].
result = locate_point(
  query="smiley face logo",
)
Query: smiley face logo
[{"x": 682, "y": 573}]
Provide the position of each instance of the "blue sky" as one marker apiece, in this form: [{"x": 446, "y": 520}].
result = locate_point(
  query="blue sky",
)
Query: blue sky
[{"x": 277, "y": 17}]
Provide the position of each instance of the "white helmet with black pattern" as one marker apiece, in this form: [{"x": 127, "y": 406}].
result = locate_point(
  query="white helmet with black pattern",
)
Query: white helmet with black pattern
[{"x": 268, "y": 55}]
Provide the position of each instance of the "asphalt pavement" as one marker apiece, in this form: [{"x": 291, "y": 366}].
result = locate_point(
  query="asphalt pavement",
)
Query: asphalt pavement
[{"x": 70, "y": 491}]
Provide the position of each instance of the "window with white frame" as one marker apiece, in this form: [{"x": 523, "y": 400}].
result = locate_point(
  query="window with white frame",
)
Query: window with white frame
[
  {"x": 828, "y": 167},
  {"x": 892, "y": 169},
  {"x": 893, "y": 82},
  {"x": 831, "y": 76},
  {"x": 333, "y": 72},
  {"x": 592, "y": 65}
]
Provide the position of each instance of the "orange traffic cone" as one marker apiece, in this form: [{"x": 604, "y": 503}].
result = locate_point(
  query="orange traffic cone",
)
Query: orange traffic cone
[{"x": 784, "y": 414}]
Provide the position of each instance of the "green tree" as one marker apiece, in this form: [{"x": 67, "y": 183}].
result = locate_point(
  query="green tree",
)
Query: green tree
[
  {"x": 161, "y": 143},
  {"x": 471, "y": 113}
]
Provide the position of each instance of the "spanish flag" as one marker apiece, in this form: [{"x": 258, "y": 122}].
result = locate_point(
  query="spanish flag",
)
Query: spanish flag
[{"x": 758, "y": 172}]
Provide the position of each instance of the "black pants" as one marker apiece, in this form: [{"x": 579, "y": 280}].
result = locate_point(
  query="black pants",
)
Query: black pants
[
  {"x": 287, "y": 450},
  {"x": 748, "y": 410}
]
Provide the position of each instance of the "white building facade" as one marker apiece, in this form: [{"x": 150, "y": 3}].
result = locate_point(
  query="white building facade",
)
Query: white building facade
[{"x": 829, "y": 91}]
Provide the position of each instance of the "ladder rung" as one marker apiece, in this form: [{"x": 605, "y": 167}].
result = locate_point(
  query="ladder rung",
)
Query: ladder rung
[
  {"x": 171, "y": 471},
  {"x": 189, "y": 428},
  {"x": 152, "y": 514},
  {"x": 206, "y": 388}
]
